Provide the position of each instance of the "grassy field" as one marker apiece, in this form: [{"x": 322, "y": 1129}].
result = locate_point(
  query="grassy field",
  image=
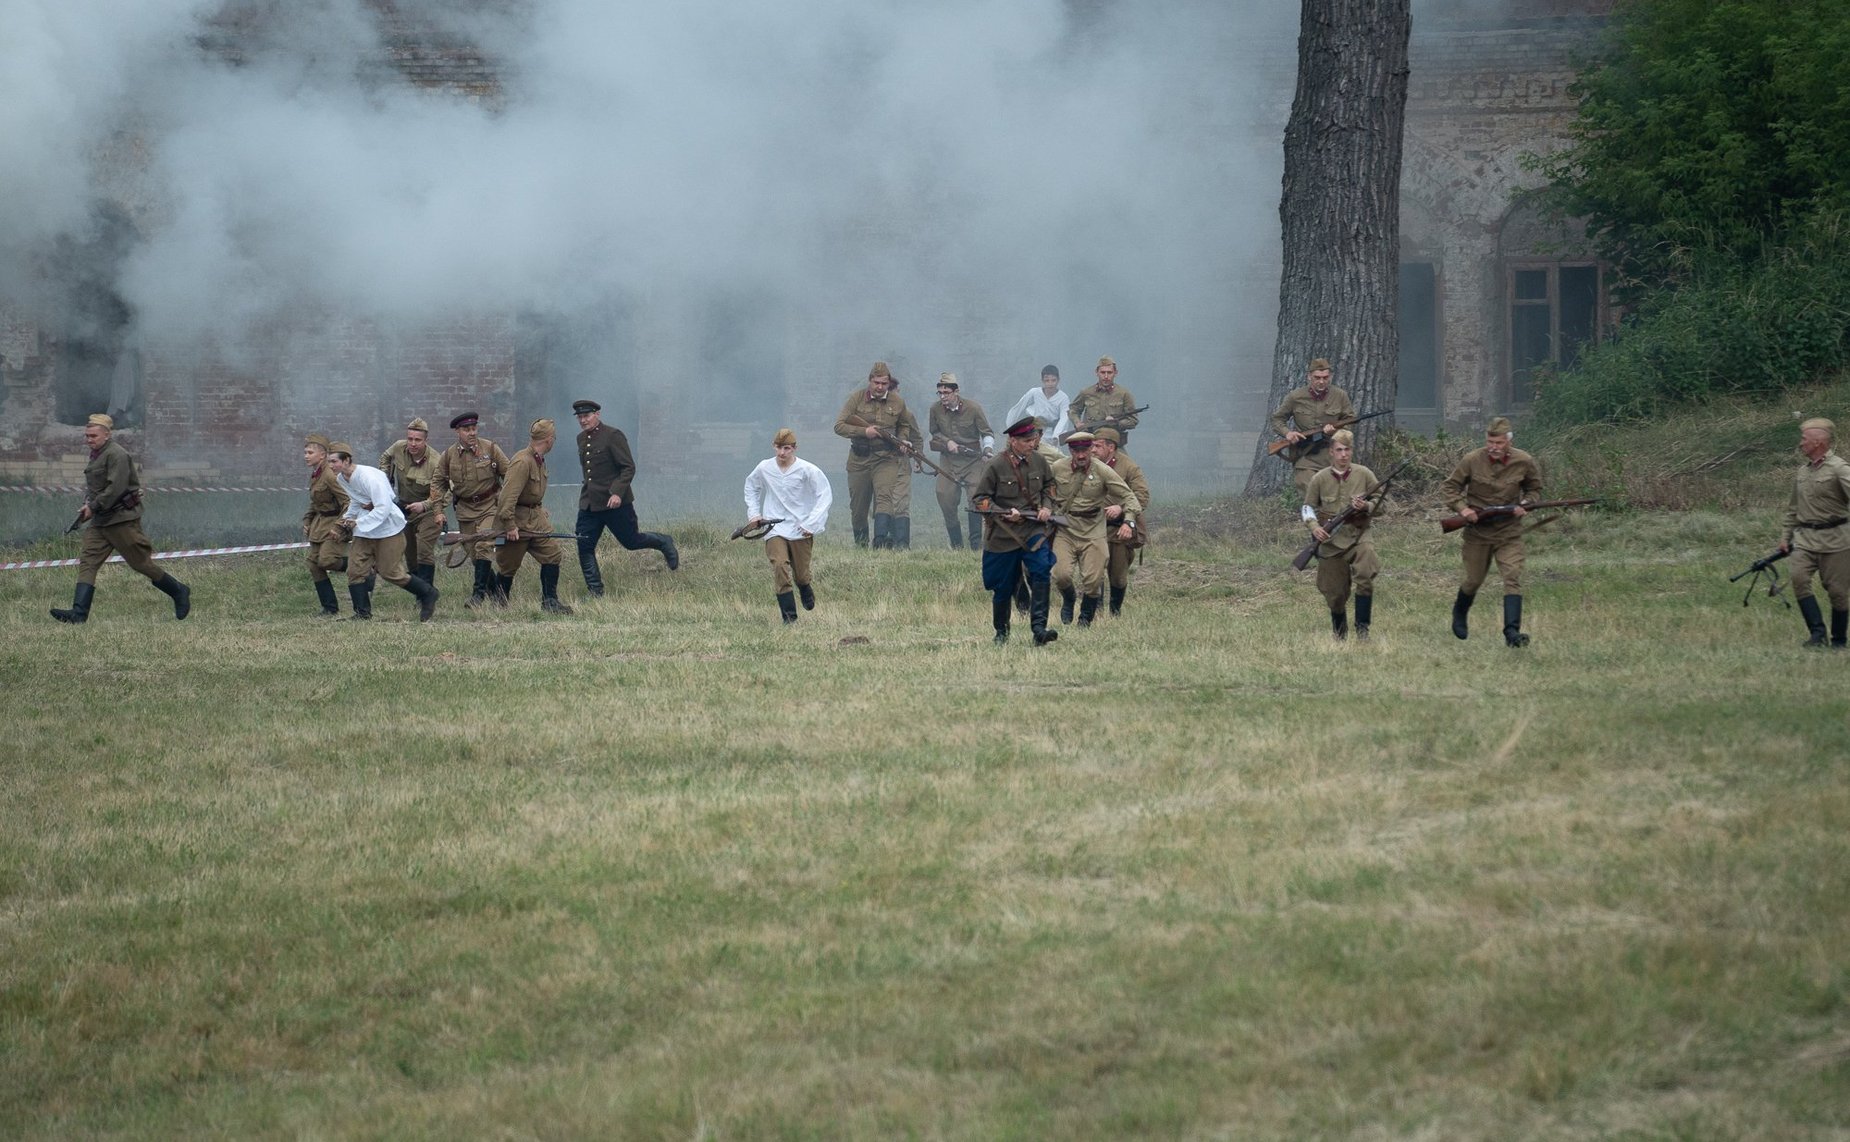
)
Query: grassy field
[{"x": 666, "y": 869}]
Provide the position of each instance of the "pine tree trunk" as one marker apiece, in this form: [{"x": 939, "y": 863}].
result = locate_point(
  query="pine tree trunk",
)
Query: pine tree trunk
[{"x": 1340, "y": 213}]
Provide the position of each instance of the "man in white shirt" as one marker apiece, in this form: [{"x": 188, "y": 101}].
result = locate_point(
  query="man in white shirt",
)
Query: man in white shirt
[
  {"x": 797, "y": 494},
  {"x": 1046, "y": 403},
  {"x": 378, "y": 529}
]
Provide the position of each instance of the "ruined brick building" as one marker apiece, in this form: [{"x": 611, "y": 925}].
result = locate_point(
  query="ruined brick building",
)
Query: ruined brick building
[{"x": 1489, "y": 291}]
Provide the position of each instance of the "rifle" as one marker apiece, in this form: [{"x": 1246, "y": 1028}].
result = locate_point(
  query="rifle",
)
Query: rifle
[
  {"x": 1026, "y": 515},
  {"x": 1347, "y": 515},
  {"x": 459, "y": 541},
  {"x": 1765, "y": 567},
  {"x": 905, "y": 449},
  {"x": 755, "y": 530},
  {"x": 1316, "y": 440},
  {"x": 1452, "y": 523},
  {"x": 1110, "y": 421}
]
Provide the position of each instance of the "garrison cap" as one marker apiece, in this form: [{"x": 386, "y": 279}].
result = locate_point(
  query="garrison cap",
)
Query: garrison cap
[
  {"x": 947, "y": 380},
  {"x": 580, "y": 407},
  {"x": 1814, "y": 422},
  {"x": 1026, "y": 426},
  {"x": 319, "y": 440},
  {"x": 1110, "y": 434},
  {"x": 1081, "y": 439},
  {"x": 101, "y": 420},
  {"x": 341, "y": 448},
  {"x": 542, "y": 429},
  {"x": 1103, "y": 361},
  {"x": 879, "y": 370},
  {"x": 1319, "y": 364},
  {"x": 784, "y": 436},
  {"x": 418, "y": 423},
  {"x": 1498, "y": 426},
  {"x": 465, "y": 419}
]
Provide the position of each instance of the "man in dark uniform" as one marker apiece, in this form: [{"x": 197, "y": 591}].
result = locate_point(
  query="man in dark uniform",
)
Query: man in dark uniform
[
  {"x": 960, "y": 435},
  {"x": 605, "y": 499},
  {"x": 411, "y": 467},
  {"x": 469, "y": 475},
  {"x": 327, "y": 503},
  {"x": 112, "y": 507},
  {"x": 1497, "y": 473},
  {"x": 521, "y": 507},
  {"x": 1019, "y": 482}
]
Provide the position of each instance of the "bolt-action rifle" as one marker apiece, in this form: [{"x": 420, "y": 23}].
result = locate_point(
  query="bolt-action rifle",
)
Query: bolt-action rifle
[
  {"x": 1315, "y": 441},
  {"x": 1110, "y": 421},
  {"x": 1452, "y": 523},
  {"x": 459, "y": 542},
  {"x": 755, "y": 530},
  {"x": 905, "y": 449},
  {"x": 1775, "y": 588},
  {"x": 1348, "y": 515}
]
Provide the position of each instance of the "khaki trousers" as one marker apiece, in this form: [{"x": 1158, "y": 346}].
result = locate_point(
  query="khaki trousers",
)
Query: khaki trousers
[
  {"x": 1832, "y": 568},
  {"x": 882, "y": 481},
  {"x": 1080, "y": 561},
  {"x": 546, "y": 551},
  {"x": 789, "y": 561},
  {"x": 1480, "y": 550},
  {"x": 327, "y": 546},
  {"x": 127, "y": 540},
  {"x": 423, "y": 535},
  {"x": 1118, "y": 564},
  {"x": 386, "y": 556},
  {"x": 1356, "y": 567},
  {"x": 473, "y": 519}
]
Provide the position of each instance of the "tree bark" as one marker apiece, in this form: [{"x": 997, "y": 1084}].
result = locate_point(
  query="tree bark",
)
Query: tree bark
[{"x": 1338, "y": 296}]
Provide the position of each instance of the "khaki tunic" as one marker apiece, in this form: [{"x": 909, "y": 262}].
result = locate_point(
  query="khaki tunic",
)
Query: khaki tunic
[
  {"x": 1308, "y": 414},
  {"x": 112, "y": 488},
  {"x": 1347, "y": 559},
  {"x": 1079, "y": 548},
  {"x": 1008, "y": 482},
  {"x": 471, "y": 480},
  {"x": 879, "y": 475},
  {"x": 1821, "y": 494},
  {"x": 522, "y": 504},
  {"x": 414, "y": 482},
  {"x": 1093, "y": 409},
  {"x": 327, "y": 541},
  {"x": 1480, "y": 482},
  {"x": 967, "y": 427},
  {"x": 1118, "y": 558}
]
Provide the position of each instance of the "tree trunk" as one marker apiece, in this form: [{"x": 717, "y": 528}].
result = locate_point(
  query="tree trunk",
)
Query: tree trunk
[{"x": 1340, "y": 213}]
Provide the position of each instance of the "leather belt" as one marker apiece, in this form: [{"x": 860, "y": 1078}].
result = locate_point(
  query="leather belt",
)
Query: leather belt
[
  {"x": 1826, "y": 525},
  {"x": 482, "y": 498}
]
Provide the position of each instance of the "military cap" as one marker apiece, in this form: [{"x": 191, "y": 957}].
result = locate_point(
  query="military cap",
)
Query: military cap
[
  {"x": 1498, "y": 426},
  {"x": 879, "y": 370},
  {"x": 580, "y": 407},
  {"x": 1026, "y": 426},
  {"x": 318, "y": 439},
  {"x": 1319, "y": 364},
  {"x": 101, "y": 420},
  {"x": 542, "y": 429},
  {"x": 1110, "y": 434},
  {"x": 947, "y": 380},
  {"x": 341, "y": 448},
  {"x": 1103, "y": 361},
  {"x": 1051, "y": 371},
  {"x": 465, "y": 419},
  {"x": 418, "y": 423},
  {"x": 1080, "y": 439},
  {"x": 784, "y": 436},
  {"x": 1814, "y": 422}
]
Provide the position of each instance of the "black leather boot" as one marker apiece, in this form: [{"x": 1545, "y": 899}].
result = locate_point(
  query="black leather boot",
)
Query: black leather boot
[
  {"x": 1512, "y": 622},
  {"x": 883, "y": 530},
  {"x": 427, "y": 572},
  {"x": 549, "y": 590},
  {"x": 179, "y": 592},
  {"x": 503, "y": 592},
  {"x": 808, "y": 594},
  {"x": 426, "y": 596},
  {"x": 953, "y": 531},
  {"x": 1117, "y": 600},
  {"x": 80, "y": 605},
  {"x": 860, "y": 534},
  {"x": 1461, "y": 606},
  {"x": 587, "y": 565},
  {"x": 973, "y": 523},
  {"x": 330, "y": 602},
  {"x": 362, "y": 596},
  {"x": 1840, "y": 628},
  {"x": 1022, "y": 598},
  {"x": 999, "y": 608},
  {"x": 1088, "y": 609},
  {"x": 787, "y": 606},
  {"x": 1364, "y": 611},
  {"x": 1814, "y": 621},
  {"x": 1339, "y": 624},
  {"x": 664, "y": 543},
  {"x": 902, "y": 533},
  {"x": 1037, "y": 612},
  {"x": 1067, "y": 598},
  {"x": 484, "y": 583}
]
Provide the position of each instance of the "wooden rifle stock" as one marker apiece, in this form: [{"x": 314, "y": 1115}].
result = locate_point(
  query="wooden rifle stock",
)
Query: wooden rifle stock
[
  {"x": 1452, "y": 523},
  {"x": 1026, "y": 516},
  {"x": 1316, "y": 440}
]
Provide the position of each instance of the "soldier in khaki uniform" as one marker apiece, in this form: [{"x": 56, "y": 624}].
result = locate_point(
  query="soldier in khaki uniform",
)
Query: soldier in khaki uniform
[
  {"x": 412, "y": 468},
  {"x": 112, "y": 508},
  {"x": 1817, "y": 532},
  {"x": 1106, "y": 448},
  {"x": 1314, "y": 408},
  {"x": 327, "y": 503},
  {"x": 1090, "y": 496},
  {"x": 961, "y": 436},
  {"x": 879, "y": 474},
  {"x": 470, "y": 474},
  {"x": 520, "y": 508},
  {"x": 1015, "y": 546},
  {"x": 1347, "y": 559},
  {"x": 1106, "y": 404},
  {"x": 1494, "y": 474}
]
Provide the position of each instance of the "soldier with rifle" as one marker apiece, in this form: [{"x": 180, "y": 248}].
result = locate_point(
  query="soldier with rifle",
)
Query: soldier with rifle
[
  {"x": 327, "y": 503},
  {"x": 1106, "y": 404},
  {"x": 520, "y": 511},
  {"x": 112, "y": 509},
  {"x": 960, "y": 434},
  {"x": 1106, "y": 448},
  {"x": 1346, "y": 557},
  {"x": 1318, "y": 407},
  {"x": 884, "y": 436},
  {"x": 411, "y": 467},
  {"x": 1014, "y": 492},
  {"x": 378, "y": 530},
  {"x": 1817, "y": 532},
  {"x": 1503, "y": 481},
  {"x": 792, "y": 496},
  {"x": 469, "y": 475},
  {"x": 1095, "y": 500}
]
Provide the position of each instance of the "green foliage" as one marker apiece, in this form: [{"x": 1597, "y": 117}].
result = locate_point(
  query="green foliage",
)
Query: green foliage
[
  {"x": 1708, "y": 127},
  {"x": 1734, "y": 328}
]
